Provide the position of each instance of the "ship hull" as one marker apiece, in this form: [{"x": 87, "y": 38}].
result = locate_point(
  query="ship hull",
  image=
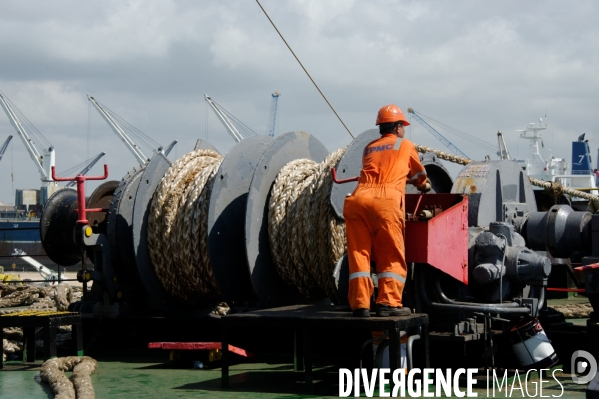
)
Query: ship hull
[{"x": 22, "y": 235}]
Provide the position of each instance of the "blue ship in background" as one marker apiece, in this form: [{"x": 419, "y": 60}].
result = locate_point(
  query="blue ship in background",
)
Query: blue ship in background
[
  {"x": 21, "y": 235},
  {"x": 581, "y": 157},
  {"x": 20, "y": 232}
]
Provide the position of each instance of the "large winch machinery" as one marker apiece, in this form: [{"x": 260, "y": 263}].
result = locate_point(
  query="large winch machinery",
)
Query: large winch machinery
[{"x": 262, "y": 227}]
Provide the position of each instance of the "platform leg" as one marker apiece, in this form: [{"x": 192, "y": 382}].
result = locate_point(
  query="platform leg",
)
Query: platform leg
[
  {"x": 425, "y": 346},
  {"x": 307, "y": 333},
  {"x": 394, "y": 354},
  {"x": 50, "y": 339},
  {"x": 225, "y": 355},
  {"x": 78, "y": 337},
  {"x": 29, "y": 336},
  {"x": 1, "y": 340},
  {"x": 298, "y": 350}
]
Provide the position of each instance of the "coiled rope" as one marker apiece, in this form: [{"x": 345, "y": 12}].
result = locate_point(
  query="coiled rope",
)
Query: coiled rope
[
  {"x": 306, "y": 238},
  {"x": 79, "y": 385},
  {"x": 178, "y": 225}
]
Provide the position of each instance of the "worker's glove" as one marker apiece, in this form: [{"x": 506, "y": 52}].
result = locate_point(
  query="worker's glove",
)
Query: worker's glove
[{"x": 426, "y": 187}]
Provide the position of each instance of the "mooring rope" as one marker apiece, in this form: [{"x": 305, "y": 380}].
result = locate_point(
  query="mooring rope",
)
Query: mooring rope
[
  {"x": 177, "y": 228},
  {"x": 443, "y": 155},
  {"x": 553, "y": 188},
  {"x": 306, "y": 238},
  {"x": 79, "y": 385}
]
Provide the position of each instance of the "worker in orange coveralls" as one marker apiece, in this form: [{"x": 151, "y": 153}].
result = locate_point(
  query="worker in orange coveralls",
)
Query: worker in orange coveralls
[{"x": 375, "y": 220}]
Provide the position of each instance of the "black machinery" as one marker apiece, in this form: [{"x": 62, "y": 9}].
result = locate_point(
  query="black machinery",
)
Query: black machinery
[{"x": 496, "y": 289}]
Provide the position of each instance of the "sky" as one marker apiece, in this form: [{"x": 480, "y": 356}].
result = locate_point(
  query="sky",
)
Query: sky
[{"x": 478, "y": 67}]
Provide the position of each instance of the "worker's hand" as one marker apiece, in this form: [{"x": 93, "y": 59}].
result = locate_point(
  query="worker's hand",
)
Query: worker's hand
[{"x": 426, "y": 187}]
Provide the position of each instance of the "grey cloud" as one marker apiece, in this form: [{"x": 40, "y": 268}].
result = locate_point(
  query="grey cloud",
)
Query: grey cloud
[{"x": 477, "y": 66}]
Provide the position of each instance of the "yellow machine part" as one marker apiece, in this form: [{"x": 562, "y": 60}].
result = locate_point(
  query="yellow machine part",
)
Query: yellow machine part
[{"x": 10, "y": 278}]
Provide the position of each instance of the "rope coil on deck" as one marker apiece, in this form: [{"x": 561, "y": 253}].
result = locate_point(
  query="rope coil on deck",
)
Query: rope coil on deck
[
  {"x": 177, "y": 228},
  {"x": 79, "y": 385},
  {"x": 305, "y": 236},
  {"x": 56, "y": 297}
]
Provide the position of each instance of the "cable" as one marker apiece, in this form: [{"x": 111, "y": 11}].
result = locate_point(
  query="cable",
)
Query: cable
[
  {"x": 30, "y": 129},
  {"x": 313, "y": 82},
  {"x": 475, "y": 140},
  {"x": 12, "y": 171},
  {"x": 131, "y": 130},
  {"x": 89, "y": 118},
  {"x": 206, "y": 118},
  {"x": 243, "y": 129},
  {"x": 74, "y": 170}
]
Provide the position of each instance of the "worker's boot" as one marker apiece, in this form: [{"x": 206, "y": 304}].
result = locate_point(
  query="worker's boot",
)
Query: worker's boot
[
  {"x": 383, "y": 310},
  {"x": 361, "y": 313}
]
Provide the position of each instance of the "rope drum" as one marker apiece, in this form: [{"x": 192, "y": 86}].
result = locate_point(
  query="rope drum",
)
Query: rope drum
[
  {"x": 177, "y": 228},
  {"x": 305, "y": 236},
  {"x": 306, "y": 239}
]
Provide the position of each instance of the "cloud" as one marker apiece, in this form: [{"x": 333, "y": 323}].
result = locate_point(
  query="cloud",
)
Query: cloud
[{"x": 477, "y": 66}]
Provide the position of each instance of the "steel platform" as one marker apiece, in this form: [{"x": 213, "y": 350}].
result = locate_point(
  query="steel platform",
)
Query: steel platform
[
  {"x": 305, "y": 318},
  {"x": 50, "y": 320}
]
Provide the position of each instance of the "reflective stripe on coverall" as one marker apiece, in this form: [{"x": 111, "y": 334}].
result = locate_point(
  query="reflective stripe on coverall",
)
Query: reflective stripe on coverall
[{"x": 375, "y": 220}]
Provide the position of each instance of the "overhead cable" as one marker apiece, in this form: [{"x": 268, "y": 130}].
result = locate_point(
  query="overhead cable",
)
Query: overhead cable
[{"x": 313, "y": 82}]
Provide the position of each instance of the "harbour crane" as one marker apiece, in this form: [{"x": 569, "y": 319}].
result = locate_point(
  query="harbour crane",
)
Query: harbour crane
[
  {"x": 5, "y": 146},
  {"x": 503, "y": 151},
  {"x": 110, "y": 117},
  {"x": 273, "y": 114},
  {"x": 237, "y": 129},
  {"x": 438, "y": 135},
  {"x": 44, "y": 160},
  {"x": 50, "y": 276}
]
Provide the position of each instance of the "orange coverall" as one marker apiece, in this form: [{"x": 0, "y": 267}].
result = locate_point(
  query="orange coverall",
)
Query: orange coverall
[{"x": 375, "y": 220}]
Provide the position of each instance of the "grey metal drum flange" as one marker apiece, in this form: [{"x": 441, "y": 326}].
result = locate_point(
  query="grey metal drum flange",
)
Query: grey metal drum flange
[
  {"x": 150, "y": 179},
  {"x": 124, "y": 223},
  {"x": 226, "y": 217},
  {"x": 348, "y": 166},
  {"x": 341, "y": 276},
  {"x": 269, "y": 287},
  {"x": 120, "y": 236}
]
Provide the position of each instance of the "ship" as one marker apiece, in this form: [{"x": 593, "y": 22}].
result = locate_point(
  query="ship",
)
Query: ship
[
  {"x": 20, "y": 233},
  {"x": 541, "y": 165}
]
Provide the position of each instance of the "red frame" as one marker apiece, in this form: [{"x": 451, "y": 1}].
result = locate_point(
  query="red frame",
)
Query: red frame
[{"x": 442, "y": 241}]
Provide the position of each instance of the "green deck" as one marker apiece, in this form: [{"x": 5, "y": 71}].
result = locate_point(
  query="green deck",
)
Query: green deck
[
  {"x": 144, "y": 377},
  {"x": 133, "y": 373}
]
